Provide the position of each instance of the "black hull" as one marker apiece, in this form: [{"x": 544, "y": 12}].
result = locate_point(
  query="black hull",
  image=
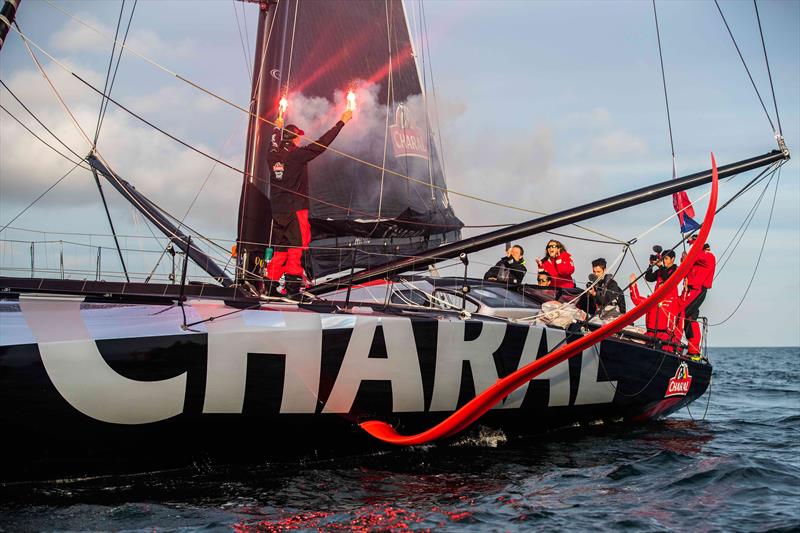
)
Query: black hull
[{"x": 48, "y": 435}]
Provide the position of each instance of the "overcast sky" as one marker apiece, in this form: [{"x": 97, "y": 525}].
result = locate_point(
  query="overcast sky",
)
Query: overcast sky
[{"x": 543, "y": 105}]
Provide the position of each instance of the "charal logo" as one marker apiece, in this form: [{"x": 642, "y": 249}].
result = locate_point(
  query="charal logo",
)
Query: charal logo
[
  {"x": 679, "y": 384},
  {"x": 407, "y": 139},
  {"x": 277, "y": 169}
]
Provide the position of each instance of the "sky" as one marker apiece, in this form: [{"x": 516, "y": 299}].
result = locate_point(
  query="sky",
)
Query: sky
[{"x": 542, "y": 105}]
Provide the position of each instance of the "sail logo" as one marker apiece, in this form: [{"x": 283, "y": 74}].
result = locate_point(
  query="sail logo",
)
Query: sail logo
[
  {"x": 407, "y": 139},
  {"x": 680, "y": 383}
]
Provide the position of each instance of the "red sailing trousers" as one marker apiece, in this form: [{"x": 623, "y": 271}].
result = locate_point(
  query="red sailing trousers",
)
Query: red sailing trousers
[
  {"x": 289, "y": 261},
  {"x": 693, "y": 298},
  {"x": 665, "y": 321}
]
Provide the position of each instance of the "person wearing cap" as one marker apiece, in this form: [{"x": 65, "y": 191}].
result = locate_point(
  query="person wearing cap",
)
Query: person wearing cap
[
  {"x": 695, "y": 286},
  {"x": 291, "y": 232}
]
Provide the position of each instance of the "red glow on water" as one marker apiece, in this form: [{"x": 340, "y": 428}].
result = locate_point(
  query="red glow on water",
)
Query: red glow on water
[{"x": 383, "y": 518}]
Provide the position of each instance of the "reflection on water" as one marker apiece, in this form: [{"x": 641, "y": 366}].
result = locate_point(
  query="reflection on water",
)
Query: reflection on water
[{"x": 737, "y": 470}]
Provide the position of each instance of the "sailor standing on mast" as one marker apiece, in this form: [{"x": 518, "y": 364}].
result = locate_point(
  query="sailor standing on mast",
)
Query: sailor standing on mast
[{"x": 291, "y": 232}]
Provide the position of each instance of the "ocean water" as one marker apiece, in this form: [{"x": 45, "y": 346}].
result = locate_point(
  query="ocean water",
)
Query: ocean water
[{"x": 731, "y": 463}]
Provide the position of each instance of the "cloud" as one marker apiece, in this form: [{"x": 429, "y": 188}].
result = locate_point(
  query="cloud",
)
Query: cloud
[
  {"x": 617, "y": 143},
  {"x": 159, "y": 167},
  {"x": 74, "y": 37}
]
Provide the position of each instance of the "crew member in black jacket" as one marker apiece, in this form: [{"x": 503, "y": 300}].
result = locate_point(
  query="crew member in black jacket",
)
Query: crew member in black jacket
[
  {"x": 605, "y": 293},
  {"x": 662, "y": 266},
  {"x": 291, "y": 231},
  {"x": 511, "y": 269}
]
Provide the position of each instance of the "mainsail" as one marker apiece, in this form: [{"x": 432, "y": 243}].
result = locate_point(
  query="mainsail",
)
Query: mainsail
[{"x": 379, "y": 193}]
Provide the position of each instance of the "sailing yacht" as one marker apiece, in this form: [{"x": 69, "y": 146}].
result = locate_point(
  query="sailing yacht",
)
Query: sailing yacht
[{"x": 90, "y": 369}]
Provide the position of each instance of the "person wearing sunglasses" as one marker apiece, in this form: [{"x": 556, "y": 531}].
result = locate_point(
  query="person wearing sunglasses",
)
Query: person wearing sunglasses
[
  {"x": 558, "y": 263},
  {"x": 543, "y": 278}
]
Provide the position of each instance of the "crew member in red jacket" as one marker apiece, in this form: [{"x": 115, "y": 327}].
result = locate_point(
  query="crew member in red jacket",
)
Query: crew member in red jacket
[
  {"x": 291, "y": 232},
  {"x": 665, "y": 321},
  {"x": 558, "y": 263},
  {"x": 697, "y": 283}
]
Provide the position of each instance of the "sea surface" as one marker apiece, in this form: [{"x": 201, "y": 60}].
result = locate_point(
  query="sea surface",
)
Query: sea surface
[{"x": 731, "y": 463}]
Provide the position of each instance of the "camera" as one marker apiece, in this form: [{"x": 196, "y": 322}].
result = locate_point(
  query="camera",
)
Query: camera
[{"x": 656, "y": 257}]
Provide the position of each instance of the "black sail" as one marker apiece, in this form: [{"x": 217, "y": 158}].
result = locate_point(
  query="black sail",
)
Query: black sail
[{"x": 379, "y": 192}]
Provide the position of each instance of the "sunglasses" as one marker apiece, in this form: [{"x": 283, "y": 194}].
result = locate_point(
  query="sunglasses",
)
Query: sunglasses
[
  {"x": 552, "y": 246},
  {"x": 542, "y": 280}
]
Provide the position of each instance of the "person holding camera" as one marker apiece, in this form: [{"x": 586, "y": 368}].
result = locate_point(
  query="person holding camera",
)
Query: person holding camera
[
  {"x": 662, "y": 266},
  {"x": 558, "y": 263},
  {"x": 665, "y": 321},
  {"x": 511, "y": 269},
  {"x": 605, "y": 296}
]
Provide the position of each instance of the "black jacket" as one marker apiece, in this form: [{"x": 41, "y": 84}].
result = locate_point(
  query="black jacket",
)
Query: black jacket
[
  {"x": 507, "y": 270},
  {"x": 659, "y": 274},
  {"x": 607, "y": 292},
  {"x": 289, "y": 171}
]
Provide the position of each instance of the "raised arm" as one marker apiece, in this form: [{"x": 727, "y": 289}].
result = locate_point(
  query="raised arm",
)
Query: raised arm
[{"x": 309, "y": 152}]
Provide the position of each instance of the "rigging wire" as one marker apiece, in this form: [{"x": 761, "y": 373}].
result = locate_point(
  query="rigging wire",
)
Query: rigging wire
[
  {"x": 48, "y": 130},
  {"x": 244, "y": 173},
  {"x": 116, "y": 68},
  {"x": 108, "y": 71},
  {"x": 666, "y": 98},
  {"x": 764, "y": 107},
  {"x": 50, "y": 188},
  {"x": 192, "y": 203},
  {"x": 246, "y": 35},
  {"x": 43, "y": 141},
  {"x": 433, "y": 91},
  {"x": 245, "y": 55},
  {"x": 769, "y": 72},
  {"x": 737, "y": 237},
  {"x": 750, "y": 185},
  {"x": 760, "y": 253},
  {"x": 77, "y": 124},
  {"x": 445, "y": 190}
]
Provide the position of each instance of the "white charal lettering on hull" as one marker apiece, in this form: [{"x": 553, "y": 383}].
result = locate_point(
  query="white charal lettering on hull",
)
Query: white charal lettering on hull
[
  {"x": 296, "y": 336},
  {"x": 590, "y": 389},
  {"x": 80, "y": 374},
  {"x": 400, "y": 366},
  {"x": 558, "y": 376},
  {"x": 453, "y": 350}
]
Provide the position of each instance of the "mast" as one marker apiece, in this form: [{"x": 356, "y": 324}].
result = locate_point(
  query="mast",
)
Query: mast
[
  {"x": 255, "y": 212},
  {"x": 7, "y": 14},
  {"x": 556, "y": 220},
  {"x": 149, "y": 210}
]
